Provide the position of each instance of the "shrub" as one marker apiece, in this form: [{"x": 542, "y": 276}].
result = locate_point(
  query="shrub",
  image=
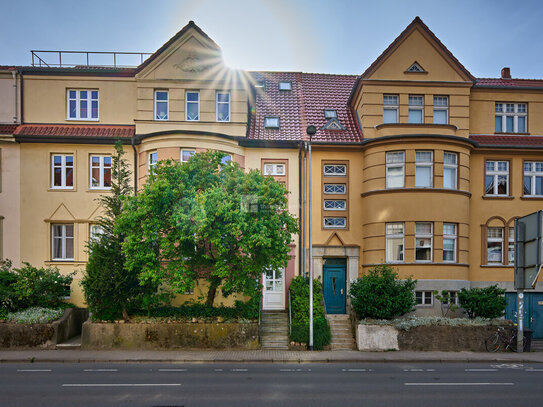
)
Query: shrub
[
  {"x": 381, "y": 295},
  {"x": 40, "y": 287},
  {"x": 8, "y": 298},
  {"x": 487, "y": 302},
  {"x": 35, "y": 315},
  {"x": 405, "y": 324},
  {"x": 299, "y": 298}
]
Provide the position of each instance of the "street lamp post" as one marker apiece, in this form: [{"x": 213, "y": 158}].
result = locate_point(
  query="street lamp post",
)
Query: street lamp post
[{"x": 311, "y": 130}]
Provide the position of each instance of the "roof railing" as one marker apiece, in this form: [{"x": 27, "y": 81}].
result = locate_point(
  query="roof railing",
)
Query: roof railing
[{"x": 65, "y": 59}]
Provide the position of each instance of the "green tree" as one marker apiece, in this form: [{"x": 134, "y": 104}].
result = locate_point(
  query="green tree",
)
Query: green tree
[
  {"x": 381, "y": 295},
  {"x": 110, "y": 288},
  {"x": 207, "y": 219},
  {"x": 487, "y": 302}
]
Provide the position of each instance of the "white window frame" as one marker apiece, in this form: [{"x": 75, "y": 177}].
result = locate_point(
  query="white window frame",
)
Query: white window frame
[
  {"x": 167, "y": 101},
  {"x": 78, "y": 100},
  {"x": 63, "y": 171},
  {"x": 101, "y": 169},
  {"x": 532, "y": 173},
  {"x": 273, "y": 169},
  {"x": 495, "y": 240},
  {"x": 187, "y": 102},
  {"x": 285, "y": 86},
  {"x": 191, "y": 152},
  {"x": 421, "y": 235},
  {"x": 441, "y": 104},
  {"x": 452, "y": 167},
  {"x": 335, "y": 170},
  {"x": 496, "y": 173},
  {"x": 415, "y": 107},
  {"x": 335, "y": 205},
  {"x": 504, "y": 110},
  {"x": 424, "y": 164},
  {"x": 389, "y": 105},
  {"x": 334, "y": 189},
  {"x": 454, "y": 298},
  {"x": 391, "y": 235},
  {"x": 217, "y": 103},
  {"x": 63, "y": 241},
  {"x": 450, "y": 236},
  {"x": 151, "y": 164},
  {"x": 95, "y": 230},
  {"x": 425, "y": 294},
  {"x": 511, "y": 246},
  {"x": 272, "y": 122},
  {"x": 331, "y": 222},
  {"x": 392, "y": 163}
]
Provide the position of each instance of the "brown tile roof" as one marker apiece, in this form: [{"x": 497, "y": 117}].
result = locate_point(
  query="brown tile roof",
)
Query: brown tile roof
[
  {"x": 509, "y": 83},
  {"x": 304, "y": 105},
  {"x": 492, "y": 140},
  {"x": 7, "y": 128},
  {"x": 75, "y": 130}
]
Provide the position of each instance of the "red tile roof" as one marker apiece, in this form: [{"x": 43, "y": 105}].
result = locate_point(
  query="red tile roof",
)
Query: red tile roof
[
  {"x": 74, "y": 130},
  {"x": 492, "y": 140},
  {"x": 509, "y": 83},
  {"x": 304, "y": 105},
  {"x": 7, "y": 128}
]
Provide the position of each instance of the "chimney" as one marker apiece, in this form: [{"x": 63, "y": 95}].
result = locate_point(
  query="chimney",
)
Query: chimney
[{"x": 506, "y": 73}]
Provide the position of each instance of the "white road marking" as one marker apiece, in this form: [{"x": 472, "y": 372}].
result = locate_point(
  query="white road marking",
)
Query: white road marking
[
  {"x": 100, "y": 370},
  {"x": 172, "y": 370},
  {"x": 533, "y": 370},
  {"x": 419, "y": 370},
  {"x": 218, "y": 370},
  {"x": 34, "y": 370},
  {"x": 459, "y": 384},
  {"x": 481, "y": 370},
  {"x": 239, "y": 370},
  {"x": 119, "y": 384},
  {"x": 359, "y": 370}
]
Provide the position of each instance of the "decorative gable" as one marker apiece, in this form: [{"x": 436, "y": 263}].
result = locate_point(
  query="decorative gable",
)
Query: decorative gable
[
  {"x": 333, "y": 124},
  {"x": 415, "y": 68}
]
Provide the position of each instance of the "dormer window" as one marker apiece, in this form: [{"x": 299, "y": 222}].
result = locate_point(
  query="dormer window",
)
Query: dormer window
[
  {"x": 285, "y": 85},
  {"x": 271, "y": 122},
  {"x": 330, "y": 114}
]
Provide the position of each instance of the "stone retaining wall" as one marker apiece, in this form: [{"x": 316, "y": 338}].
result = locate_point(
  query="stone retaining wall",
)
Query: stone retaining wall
[
  {"x": 423, "y": 338},
  {"x": 43, "y": 335},
  {"x": 169, "y": 336}
]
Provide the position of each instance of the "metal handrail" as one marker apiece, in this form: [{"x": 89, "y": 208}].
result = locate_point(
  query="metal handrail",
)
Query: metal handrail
[
  {"x": 58, "y": 57},
  {"x": 289, "y": 314},
  {"x": 260, "y": 319}
]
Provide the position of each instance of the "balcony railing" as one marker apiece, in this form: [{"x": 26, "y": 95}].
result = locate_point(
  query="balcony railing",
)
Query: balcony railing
[{"x": 65, "y": 59}]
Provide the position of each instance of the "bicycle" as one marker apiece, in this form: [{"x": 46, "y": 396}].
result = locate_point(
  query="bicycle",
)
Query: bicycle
[{"x": 501, "y": 337}]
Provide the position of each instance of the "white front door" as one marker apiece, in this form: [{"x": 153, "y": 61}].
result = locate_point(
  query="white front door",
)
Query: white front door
[{"x": 274, "y": 289}]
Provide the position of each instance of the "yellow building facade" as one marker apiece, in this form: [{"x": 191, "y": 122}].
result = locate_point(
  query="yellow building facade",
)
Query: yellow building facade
[{"x": 415, "y": 162}]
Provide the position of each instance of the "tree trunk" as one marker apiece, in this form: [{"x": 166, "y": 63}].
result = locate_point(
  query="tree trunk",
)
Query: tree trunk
[
  {"x": 214, "y": 283},
  {"x": 125, "y": 315}
]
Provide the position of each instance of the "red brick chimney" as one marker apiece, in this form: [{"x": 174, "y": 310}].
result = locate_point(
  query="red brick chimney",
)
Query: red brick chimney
[{"x": 506, "y": 73}]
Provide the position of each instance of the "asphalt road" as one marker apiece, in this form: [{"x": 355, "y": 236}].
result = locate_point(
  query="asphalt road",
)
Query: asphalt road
[{"x": 255, "y": 385}]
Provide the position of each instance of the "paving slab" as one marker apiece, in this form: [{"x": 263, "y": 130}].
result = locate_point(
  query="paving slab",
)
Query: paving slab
[{"x": 247, "y": 356}]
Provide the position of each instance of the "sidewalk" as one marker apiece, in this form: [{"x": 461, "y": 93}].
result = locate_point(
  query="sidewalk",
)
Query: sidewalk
[{"x": 260, "y": 356}]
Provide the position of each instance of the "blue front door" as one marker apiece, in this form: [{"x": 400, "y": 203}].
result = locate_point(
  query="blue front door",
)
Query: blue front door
[
  {"x": 533, "y": 311},
  {"x": 335, "y": 294}
]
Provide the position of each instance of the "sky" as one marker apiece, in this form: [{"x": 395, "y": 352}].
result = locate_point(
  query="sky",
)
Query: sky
[{"x": 330, "y": 36}]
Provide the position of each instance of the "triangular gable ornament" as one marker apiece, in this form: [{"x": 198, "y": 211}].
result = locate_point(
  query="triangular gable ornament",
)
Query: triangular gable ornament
[
  {"x": 415, "y": 68},
  {"x": 333, "y": 124}
]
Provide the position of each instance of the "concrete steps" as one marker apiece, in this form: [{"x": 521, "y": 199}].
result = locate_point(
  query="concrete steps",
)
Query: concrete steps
[
  {"x": 274, "y": 330},
  {"x": 537, "y": 345},
  {"x": 73, "y": 343},
  {"x": 342, "y": 332}
]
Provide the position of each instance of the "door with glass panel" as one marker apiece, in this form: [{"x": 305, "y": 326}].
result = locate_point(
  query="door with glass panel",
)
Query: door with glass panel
[{"x": 274, "y": 290}]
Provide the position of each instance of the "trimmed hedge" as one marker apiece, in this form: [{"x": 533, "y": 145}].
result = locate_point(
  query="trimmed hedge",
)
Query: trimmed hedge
[{"x": 299, "y": 291}]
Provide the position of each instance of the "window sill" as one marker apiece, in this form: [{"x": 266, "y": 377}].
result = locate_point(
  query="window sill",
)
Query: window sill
[
  {"x": 61, "y": 189},
  {"x": 436, "y": 190},
  {"x": 424, "y": 305},
  {"x": 504, "y": 197},
  {"x": 498, "y": 266},
  {"x": 418, "y": 263},
  {"x": 71, "y": 119},
  {"x": 510, "y": 134},
  {"x": 64, "y": 262},
  {"x": 532, "y": 198}
]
